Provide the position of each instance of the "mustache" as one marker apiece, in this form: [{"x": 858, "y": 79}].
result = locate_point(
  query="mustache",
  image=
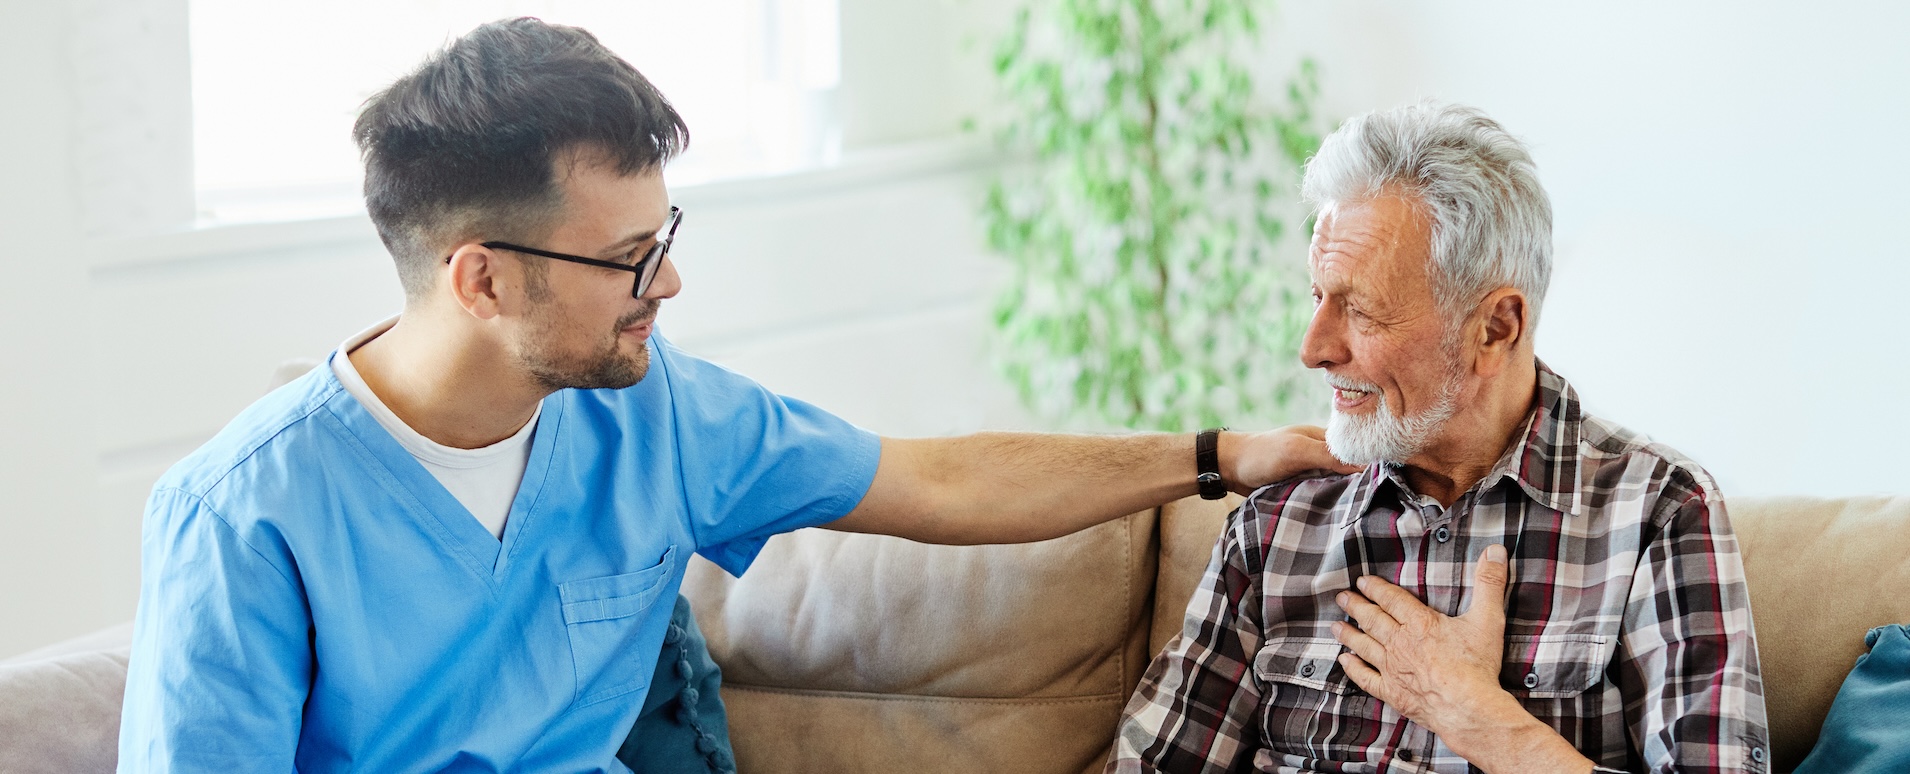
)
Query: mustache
[
  {"x": 1343, "y": 383},
  {"x": 647, "y": 311}
]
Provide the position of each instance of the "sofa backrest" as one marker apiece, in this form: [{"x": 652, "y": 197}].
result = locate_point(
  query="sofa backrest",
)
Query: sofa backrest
[
  {"x": 863, "y": 653},
  {"x": 1821, "y": 572}
]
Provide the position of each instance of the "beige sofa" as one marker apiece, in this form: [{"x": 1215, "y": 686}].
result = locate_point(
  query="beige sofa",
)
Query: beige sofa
[
  {"x": 867, "y": 654},
  {"x": 855, "y": 653}
]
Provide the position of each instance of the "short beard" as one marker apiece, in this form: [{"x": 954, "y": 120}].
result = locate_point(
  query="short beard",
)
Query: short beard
[
  {"x": 605, "y": 368},
  {"x": 1384, "y": 437}
]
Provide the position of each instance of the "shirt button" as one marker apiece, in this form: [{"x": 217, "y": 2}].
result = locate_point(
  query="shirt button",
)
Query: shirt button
[
  {"x": 1531, "y": 679},
  {"x": 1306, "y": 670},
  {"x": 1442, "y": 534},
  {"x": 1406, "y": 755},
  {"x": 1757, "y": 754}
]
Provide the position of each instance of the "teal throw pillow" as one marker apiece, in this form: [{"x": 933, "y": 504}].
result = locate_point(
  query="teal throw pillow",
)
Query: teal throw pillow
[
  {"x": 682, "y": 728},
  {"x": 1868, "y": 728}
]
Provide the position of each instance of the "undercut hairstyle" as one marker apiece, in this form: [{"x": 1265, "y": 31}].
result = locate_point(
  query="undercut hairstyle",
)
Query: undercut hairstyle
[
  {"x": 467, "y": 146},
  {"x": 1491, "y": 220}
]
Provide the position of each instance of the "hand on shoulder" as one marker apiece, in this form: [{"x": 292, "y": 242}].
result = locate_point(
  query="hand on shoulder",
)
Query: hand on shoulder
[{"x": 1249, "y": 461}]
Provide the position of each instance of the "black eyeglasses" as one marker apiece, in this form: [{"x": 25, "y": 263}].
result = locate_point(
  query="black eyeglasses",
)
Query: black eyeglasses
[{"x": 645, "y": 269}]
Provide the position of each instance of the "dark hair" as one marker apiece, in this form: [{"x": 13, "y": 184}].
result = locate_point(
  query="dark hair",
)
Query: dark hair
[{"x": 466, "y": 145}]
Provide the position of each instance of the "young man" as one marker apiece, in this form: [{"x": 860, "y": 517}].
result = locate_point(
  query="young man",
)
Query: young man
[{"x": 455, "y": 546}]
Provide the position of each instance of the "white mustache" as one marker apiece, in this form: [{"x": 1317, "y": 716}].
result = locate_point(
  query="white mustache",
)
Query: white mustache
[{"x": 1343, "y": 383}]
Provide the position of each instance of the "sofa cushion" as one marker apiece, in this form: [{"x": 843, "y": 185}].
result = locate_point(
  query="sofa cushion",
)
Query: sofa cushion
[
  {"x": 1822, "y": 574},
  {"x": 59, "y": 707},
  {"x": 1189, "y": 530},
  {"x": 863, "y": 653}
]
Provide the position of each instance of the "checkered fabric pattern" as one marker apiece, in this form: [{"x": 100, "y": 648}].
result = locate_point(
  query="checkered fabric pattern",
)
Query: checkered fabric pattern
[{"x": 1628, "y": 628}]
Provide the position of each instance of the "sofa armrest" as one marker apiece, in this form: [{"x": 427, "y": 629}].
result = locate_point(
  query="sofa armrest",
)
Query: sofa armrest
[{"x": 59, "y": 706}]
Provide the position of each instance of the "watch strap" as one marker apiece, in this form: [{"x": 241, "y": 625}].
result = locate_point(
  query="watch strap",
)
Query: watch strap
[{"x": 1207, "y": 464}]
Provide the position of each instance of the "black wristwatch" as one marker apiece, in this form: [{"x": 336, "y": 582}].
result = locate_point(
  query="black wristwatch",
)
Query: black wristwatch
[{"x": 1207, "y": 464}]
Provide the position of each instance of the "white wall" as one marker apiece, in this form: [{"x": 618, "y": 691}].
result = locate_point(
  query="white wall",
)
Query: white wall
[
  {"x": 48, "y": 525},
  {"x": 1728, "y": 185},
  {"x": 1726, "y": 182},
  {"x": 863, "y": 289}
]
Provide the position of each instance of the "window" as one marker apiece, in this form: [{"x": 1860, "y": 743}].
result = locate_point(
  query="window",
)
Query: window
[{"x": 276, "y": 85}]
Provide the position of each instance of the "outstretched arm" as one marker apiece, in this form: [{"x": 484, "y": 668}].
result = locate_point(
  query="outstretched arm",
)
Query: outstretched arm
[{"x": 1024, "y": 487}]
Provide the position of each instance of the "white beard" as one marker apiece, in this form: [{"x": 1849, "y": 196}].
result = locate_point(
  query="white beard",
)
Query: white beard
[{"x": 1382, "y": 436}]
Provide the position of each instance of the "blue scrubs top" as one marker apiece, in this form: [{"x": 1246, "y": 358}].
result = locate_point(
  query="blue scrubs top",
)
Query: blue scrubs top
[{"x": 313, "y": 598}]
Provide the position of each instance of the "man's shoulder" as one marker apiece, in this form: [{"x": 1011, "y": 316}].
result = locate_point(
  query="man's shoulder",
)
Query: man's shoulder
[
  {"x": 281, "y": 419},
  {"x": 1311, "y": 486},
  {"x": 1307, "y": 498},
  {"x": 1615, "y": 460}
]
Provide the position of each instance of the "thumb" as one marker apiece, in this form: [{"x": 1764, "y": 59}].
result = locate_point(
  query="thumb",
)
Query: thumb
[{"x": 1489, "y": 581}]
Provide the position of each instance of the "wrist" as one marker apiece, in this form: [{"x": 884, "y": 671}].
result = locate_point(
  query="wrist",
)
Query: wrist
[{"x": 1498, "y": 735}]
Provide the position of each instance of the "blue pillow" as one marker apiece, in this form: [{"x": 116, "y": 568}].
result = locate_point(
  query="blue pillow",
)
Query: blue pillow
[
  {"x": 1868, "y": 728},
  {"x": 682, "y": 728}
]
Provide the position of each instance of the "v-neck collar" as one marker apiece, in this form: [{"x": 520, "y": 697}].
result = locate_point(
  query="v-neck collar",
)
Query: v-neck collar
[{"x": 448, "y": 521}]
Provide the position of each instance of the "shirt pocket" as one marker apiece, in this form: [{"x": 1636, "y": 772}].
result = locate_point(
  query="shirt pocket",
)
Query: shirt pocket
[
  {"x": 605, "y": 620},
  {"x": 1307, "y": 662},
  {"x": 1310, "y": 705},
  {"x": 1554, "y": 666}
]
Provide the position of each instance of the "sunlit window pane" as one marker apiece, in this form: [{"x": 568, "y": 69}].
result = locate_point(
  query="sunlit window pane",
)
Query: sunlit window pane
[{"x": 276, "y": 85}]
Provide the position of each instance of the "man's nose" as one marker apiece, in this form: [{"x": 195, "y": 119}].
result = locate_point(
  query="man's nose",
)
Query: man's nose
[
  {"x": 1324, "y": 343},
  {"x": 667, "y": 283}
]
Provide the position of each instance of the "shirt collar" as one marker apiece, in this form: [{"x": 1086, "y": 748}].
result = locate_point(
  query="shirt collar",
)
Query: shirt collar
[
  {"x": 1544, "y": 461},
  {"x": 1365, "y": 488}
]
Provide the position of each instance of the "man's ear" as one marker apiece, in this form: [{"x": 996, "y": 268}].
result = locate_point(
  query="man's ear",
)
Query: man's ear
[
  {"x": 472, "y": 277},
  {"x": 1505, "y": 327}
]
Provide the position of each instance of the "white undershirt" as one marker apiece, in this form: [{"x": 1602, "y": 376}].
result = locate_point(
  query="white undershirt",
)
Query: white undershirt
[{"x": 483, "y": 480}]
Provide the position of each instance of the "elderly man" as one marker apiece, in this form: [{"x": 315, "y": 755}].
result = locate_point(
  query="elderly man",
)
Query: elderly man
[{"x": 1617, "y": 636}]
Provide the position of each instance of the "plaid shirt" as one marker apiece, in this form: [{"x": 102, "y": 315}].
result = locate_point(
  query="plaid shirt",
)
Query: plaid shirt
[{"x": 1628, "y": 629}]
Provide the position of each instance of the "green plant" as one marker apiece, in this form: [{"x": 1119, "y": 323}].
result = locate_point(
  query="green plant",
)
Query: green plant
[{"x": 1155, "y": 281}]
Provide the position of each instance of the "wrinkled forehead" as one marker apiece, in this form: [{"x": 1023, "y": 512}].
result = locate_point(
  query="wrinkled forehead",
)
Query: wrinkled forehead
[{"x": 1381, "y": 244}]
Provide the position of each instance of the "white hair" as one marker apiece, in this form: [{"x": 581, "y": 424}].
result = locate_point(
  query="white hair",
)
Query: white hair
[{"x": 1491, "y": 220}]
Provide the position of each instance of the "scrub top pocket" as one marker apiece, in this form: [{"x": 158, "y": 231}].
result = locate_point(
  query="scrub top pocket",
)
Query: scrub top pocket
[{"x": 604, "y": 618}]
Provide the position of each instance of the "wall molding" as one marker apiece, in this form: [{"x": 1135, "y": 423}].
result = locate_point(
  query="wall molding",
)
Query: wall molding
[{"x": 107, "y": 256}]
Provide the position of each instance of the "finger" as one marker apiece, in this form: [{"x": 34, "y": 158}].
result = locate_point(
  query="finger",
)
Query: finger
[
  {"x": 1489, "y": 585},
  {"x": 1397, "y": 602},
  {"x": 1364, "y": 676},
  {"x": 1325, "y": 461},
  {"x": 1312, "y": 441},
  {"x": 1361, "y": 643},
  {"x": 1314, "y": 432},
  {"x": 1321, "y": 458},
  {"x": 1373, "y": 620}
]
